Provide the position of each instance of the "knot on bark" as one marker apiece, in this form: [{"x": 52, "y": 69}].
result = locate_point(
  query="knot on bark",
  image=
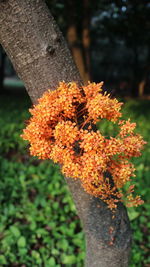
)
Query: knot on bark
[{"x": 50, "y": 49}]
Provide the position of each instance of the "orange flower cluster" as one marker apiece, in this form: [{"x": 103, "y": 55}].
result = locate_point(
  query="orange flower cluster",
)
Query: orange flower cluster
[{"x": 63, "y": 128}]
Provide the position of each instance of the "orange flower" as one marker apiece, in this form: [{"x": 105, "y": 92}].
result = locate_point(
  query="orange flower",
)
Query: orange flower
[
  {"x": 126, "y": 127},
  {"x": 63, "y": 128},
  {"x": 66, "y": 133}
]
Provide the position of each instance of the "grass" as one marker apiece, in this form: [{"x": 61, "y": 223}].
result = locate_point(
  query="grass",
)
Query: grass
[{"x": 38, "y": 221}]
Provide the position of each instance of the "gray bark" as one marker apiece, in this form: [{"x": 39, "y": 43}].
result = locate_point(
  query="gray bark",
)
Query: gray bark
[{"x": 41, "y": 58}]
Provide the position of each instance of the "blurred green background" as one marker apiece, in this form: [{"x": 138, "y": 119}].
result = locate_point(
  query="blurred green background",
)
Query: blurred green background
[{"x": 38, "y": 221}]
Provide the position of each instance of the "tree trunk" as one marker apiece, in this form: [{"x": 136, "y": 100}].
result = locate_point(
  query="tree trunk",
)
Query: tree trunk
[{"x": 41, "y": 58}]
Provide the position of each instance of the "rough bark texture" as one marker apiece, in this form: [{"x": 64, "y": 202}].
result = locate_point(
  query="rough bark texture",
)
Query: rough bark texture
[{"x": 39, "y": 54}]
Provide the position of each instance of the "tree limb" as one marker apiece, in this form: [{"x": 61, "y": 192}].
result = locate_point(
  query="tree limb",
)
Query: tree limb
[{"x": 41, "y": 58}]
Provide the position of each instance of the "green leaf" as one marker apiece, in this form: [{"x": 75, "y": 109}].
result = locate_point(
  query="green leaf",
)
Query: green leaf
[
  {"x": 15, "y": 231},
  {"x": 21, "y": 242},
  {"x": 55, "y": 252},
  {"x": 36, "y": 256},
  {"x": 2, "y": 260},
  {"x": 78, "y": 242},
  {"x": 51, "y": 262},
  {"x": 69, "y": 259},
  {"x": 63, "y": 244},
  {"x": 133, "y": 214},
  {"x": 23, "y": 251}
]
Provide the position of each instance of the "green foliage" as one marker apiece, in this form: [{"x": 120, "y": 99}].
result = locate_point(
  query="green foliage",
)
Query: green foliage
[{"x": 38, "y": 221}]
